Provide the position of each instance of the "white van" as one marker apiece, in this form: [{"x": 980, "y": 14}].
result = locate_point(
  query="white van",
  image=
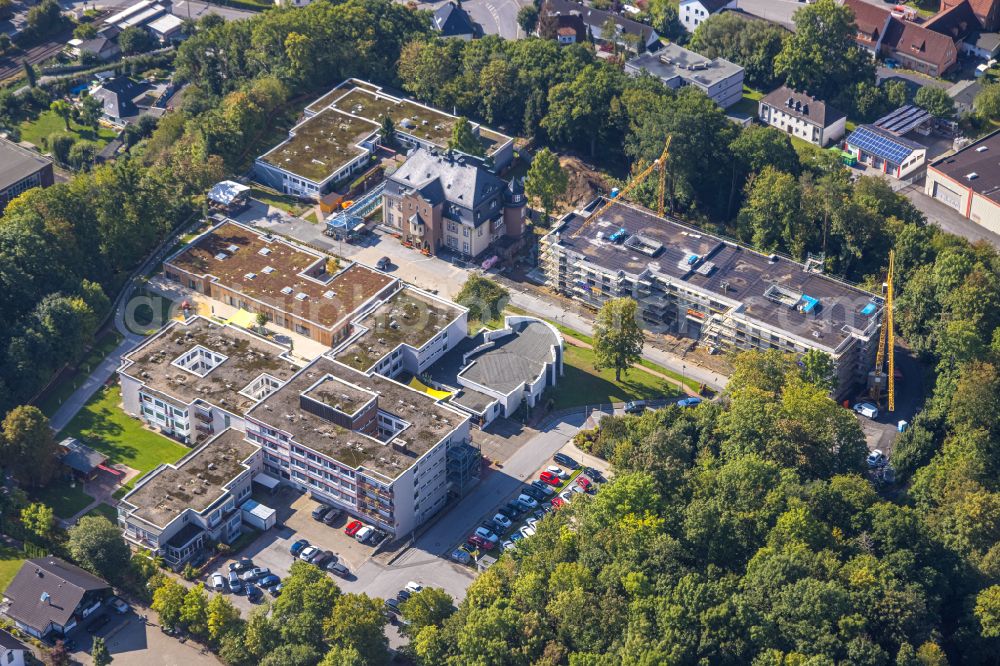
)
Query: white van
[
  {"x": 364, "y": 533},
  {"x": 866, "y": 409}
]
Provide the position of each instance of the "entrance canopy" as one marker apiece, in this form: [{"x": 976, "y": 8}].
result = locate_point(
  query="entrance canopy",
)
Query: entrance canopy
[{"x": 267, "y": 481}]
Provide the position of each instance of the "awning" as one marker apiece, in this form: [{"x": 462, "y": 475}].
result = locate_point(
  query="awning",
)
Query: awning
[
  {"x": 244, "y": 319},
  {"x": 267, "y": 481},
  {"x": 434, "y": 393}
]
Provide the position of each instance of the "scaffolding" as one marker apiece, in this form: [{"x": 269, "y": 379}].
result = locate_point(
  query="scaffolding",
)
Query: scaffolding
[{"x": 463, "y": 463}]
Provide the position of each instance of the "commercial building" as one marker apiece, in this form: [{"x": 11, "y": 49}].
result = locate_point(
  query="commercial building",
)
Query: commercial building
[
  {"x": 49, "y": 597},
  {"x": 20, "y": 170},
  {"x": 724, "y": 295},
  {"x": 338, "y": 138},
  {"x": 196, "y": 378},
  {"x": 154, "y": 17},
  {"x": 676, "y": 66},
  {"x": 312, "y": 294},
  {"x": 452, "y": 201},
  {"x": 176, "y": 510},
  {"x": 802, "y": 116},
  {"x": 692, "y": 13},
  {"x": 969, "y": 181},
  {"x": 884, "y": 146}
]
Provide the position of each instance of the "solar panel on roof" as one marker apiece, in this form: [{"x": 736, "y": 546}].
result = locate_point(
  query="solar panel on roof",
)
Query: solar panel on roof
[
  {"x": 879, "y": 145},
  {"x": 903, "y": 119}
]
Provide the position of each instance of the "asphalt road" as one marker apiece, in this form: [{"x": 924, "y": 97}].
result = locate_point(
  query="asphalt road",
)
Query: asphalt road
[
  {"x": 194, "y": 9},
  {"x": 776, "y": 11},
  {"x": 947, "y": 217}
]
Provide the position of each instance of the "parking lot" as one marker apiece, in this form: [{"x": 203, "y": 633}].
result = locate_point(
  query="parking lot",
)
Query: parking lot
[{"x": 272, "y": 549}]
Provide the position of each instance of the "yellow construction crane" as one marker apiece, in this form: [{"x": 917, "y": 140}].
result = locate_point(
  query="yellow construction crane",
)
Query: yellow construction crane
[
  {"x": 638, "y": 180},
  {"x": 887, "y": 341}
]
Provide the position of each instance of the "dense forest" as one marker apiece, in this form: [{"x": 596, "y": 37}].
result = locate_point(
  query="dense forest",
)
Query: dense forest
[{"x": 738, "y": 532}]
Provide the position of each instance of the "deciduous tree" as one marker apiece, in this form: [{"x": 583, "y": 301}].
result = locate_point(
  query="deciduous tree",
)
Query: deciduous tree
[
  {"x": 29, "y": 448},
  {"x": 97, "y": 545},
  {"x": 618, "y": 339},
  {"x": 546, "y": 180}
]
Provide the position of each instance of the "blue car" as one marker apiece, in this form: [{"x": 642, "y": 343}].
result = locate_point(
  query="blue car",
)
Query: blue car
[
  {"x": 516, "y": 536},
  {"x": 298, "y": 546},
  {"x": 689, "y": 402},
  {"x": 268, "y": 581}
]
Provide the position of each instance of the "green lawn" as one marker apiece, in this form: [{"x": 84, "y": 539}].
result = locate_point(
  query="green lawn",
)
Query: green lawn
[
  {"x": 102, "y": 425},
  {"x": 103, "y": 346},
  {"x": 582, "y": 385},
  {"x": 10, "y": 563},
  {"x": 48, "y": 122},
  {"x": 106, "y": 510},
  {"x": 64, "y": 499},
  {"x": 310, "y": 217},
  {"x": 286, "y": 203}
]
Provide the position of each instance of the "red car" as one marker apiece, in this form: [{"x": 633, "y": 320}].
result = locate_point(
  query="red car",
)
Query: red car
[
  {"x": 353, "y": 527},
  {"x": 557, "y": 502},
  {"x": 583, "y": 482},
  {"x": 477, "y": 541},
  {"x": 549, "y": 478}
]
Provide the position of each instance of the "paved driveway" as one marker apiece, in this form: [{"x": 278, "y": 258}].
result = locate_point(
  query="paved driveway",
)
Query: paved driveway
[
  {"x": 133, "y": 642},
  {"x": 947, "y": 217}
]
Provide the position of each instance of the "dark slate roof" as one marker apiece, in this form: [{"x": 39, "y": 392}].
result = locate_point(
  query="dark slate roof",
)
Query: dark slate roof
[
  {"x": 64, "y": 583},
  {"x": 452, "y": 21},
  {"x": 80, "y": 457},
  {"x": 447, "y": 177},
  {"x": 957, "y": 22},
  {"x": 98, "y": 45},
  {"x": 117, "y": 95},
  {"x": 713, "y": 6},
  {"x": 805, "y": 107},
  {"x": 8, "y": 642},
  {"x": 17, "y": 163}
]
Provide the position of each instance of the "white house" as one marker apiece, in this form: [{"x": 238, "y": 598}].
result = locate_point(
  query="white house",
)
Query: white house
[
  {"x": 12, "y": 651},
  {"x": 802, "y": 116},
  {"x": 691, "y": 13}
]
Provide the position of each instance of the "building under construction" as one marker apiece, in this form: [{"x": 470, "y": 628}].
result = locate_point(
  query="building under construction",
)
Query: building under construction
[{"x": 725, "y": 295}]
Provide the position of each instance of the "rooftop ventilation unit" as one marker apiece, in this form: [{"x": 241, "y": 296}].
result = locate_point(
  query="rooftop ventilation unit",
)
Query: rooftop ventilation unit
[
  {"x": 706, "y": 268},
  {"x": 222, "y": 256},
  {"x": 250, "y": 276},
  {"x": 267, "y": 270},
  {"x": 971, "y": 176},
  {"x": 329, "y": 294},
  {"x": 286, "y": 290},
  {"x": 982, "y": 149},
  {"x": 232, "y": 249},
  {"x": 301, "y": 296}
]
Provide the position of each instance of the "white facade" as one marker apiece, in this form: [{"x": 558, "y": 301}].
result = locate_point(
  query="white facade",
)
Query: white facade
[
  {"x": 799, "y": 127},
  {"x": 963, "y": 198},
  {"x": 692, "y": 13}
]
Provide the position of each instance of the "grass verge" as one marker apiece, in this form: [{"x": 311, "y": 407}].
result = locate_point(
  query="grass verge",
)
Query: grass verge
[
  {"x": 10, "y": 562},
  {"x": 582, "y": 385},
  {"x": 106, "y": 510},
  {"x": 101, "y": 424},
  {"x": 103, "y": 346},
  {"x": 64, "y": 498},
  {"x": 286, "y": 203},
  {"x": 48, "y": 122}
]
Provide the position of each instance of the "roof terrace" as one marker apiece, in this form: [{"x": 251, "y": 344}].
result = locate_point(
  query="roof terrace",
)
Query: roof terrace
[
  {"x": 278, "y": 274},
  {"x": 428, "y": 421},
  {"x": 201, "y": 360},
  {"x": 195, "y": 482},
  {"x": 407, "y": 317}
]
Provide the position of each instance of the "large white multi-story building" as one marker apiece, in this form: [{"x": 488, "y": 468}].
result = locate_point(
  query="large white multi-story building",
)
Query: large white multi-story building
[
  {"x": 802, "y": 116},
  {"x": 690, "y": 284},
  {"x": 676, "y": 66}
]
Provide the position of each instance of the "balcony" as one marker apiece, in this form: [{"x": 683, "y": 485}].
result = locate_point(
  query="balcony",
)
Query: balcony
[
  {"x": 205, "y": 428},
  {"x": 203, "y": 416}
]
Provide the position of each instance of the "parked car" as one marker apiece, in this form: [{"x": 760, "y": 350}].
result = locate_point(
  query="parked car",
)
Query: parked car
[
  {"x": 527, "y": 531},
  {"x": 323, "y": 558},
  {"x": 866, "y": 409},
  {"x": 242, "y": 564},
  {"x": 534, "y": 491},
  {"x": 364, "y": 533},
  {"x": 235, "y": 584},
  {"x": 533, "y": 521},
  {"x": 353, "y": 527},
  {"x": 565, "y": 460},
  {"x": 557, "y": 502},
  {"x": 526, "y": 501},
  {"x": 494, "y": 526},
  {"x": 332, "y": 516},
  {"x": 308, "y": 553},
  {"x": 689, "y": 402},
  {"x": 392, "y": 605},
  {"x": 119, "y": 605},
  {"x": 583, "y": 482},
  {"x": 480, "y": 543},
  {"x": 594, "y": 474},
  {"x": 403, "y": 595},
  {"x": 98, "y": 622},
  {"x": 566, "y": 495},
  {"x": 268, "y": 581},
  {"x": 557, "y": 471},
  {"x": 276, "y": 590},
  {"x": 338, "y": 569},
  {"x": 507, "y": 544},
  {"x": 889, "y": 475},
  {"x": 254, "y": 593},
  {"x": 487, "y": 534},
  {"x": 217, "y": 582},
  {"x": 298, "y": 546},
  {"x": 460, "y": 556},
  {"x": 515, "y": 508},
  {"x": 254, "y": 574},
  {"x": 876, "y": 458},
  {"x": 549, "y": 478},
  {"x": 516, "y": 536},
  {"x": 503, "y": 521},
  {"x": 546, "y": 490},
  {"x": 635, "y": 407},
  {"x": 383, "y": 264},
  {"x": 506, "y": 512},
  {"x": 319, "y": 513}
]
